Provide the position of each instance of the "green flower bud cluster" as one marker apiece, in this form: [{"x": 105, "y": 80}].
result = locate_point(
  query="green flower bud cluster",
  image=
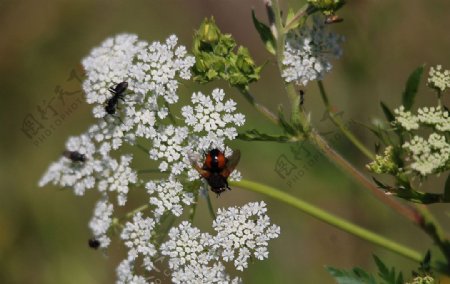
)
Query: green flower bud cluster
[
  {"x": 215, "y": 57},
  {"x": 327, "y": 7},
  {"x": 384, "y": 164}
]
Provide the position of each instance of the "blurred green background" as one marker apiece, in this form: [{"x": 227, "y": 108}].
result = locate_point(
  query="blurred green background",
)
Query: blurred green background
[{"x": 43, "y": 231}]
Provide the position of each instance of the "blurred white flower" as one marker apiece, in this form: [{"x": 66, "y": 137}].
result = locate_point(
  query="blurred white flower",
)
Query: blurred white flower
[
  {"x": 101, "y": 221},
  {"x": 125, "y": 274},
  {"x": 308, "y": 52},
  {"x": 435, "y": 117}
]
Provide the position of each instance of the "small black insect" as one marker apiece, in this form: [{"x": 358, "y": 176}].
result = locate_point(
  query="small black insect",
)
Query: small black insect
[
  {"x": 75, "y": 156},
  {"x": 118, "y": 93},
  {"x": 302, "y": 97},
  {"x": 94, "y": 243}
]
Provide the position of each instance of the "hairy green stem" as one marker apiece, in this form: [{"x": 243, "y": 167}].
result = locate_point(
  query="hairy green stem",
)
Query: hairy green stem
[
  {"x": 328, "y": 218},
  {"x": 341, "y": 125}
]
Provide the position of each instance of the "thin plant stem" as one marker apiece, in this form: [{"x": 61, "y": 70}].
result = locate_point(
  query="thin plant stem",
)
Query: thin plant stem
[
  {"x": 143, "y": 148},
  {"x": 210, "y": 207},
  {"x": 341, "y": 125},
  {"x": 407, "y": 211},
  {"x": 330, "y": 219},
  {"x": 261, "y": 108}
]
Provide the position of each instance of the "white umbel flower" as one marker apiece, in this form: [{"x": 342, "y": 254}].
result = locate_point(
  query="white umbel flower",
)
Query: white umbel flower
[
  {"x": 243, "y": 232},
  {"x": 438, "y": 78},
  {"x": 191, "y": 257},
  {"x": 125, "y": 274},
  {"x": 168, "y": 195},
  {"x": 101, "y": 221},
  {"x": 308, "y": 52},
  {"x": 77, "y": 175},
  {"x": 117, "y": 177},
  {"x": 213, "y": 117},
  {"x": 436, "y": 117},
  {"x": 406, "y": 119},
  {"x": 136, "y": 236},
  {"x": 429, "y": 156}
]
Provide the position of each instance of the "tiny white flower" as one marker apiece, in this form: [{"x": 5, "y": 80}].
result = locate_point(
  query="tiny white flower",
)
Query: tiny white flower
[{"x": 308, "y": 51}]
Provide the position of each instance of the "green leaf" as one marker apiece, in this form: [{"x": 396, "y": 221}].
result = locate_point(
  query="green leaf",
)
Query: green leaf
[
  {"x": 447, "y": 190},
  {"x": 388, "y": 275},
  {"x": 265, "y": 34},
  {"x": 412, "y": 85},
  {"x": 255, "y": 135},
  {"x": 380, "y": 184},
  {"x": 354, "y": 276},
  {"x": 387, "y": 112}
]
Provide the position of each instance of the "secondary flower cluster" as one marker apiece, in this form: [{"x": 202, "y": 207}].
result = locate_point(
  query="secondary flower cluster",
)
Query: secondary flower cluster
[
  {"x": 308, "y": 52},
  {"x": 432, "y": 154},
  {"x": 240, "y": 234},
  {"x": 142, "y": 117},
  {"x": 439, "y": 79}
]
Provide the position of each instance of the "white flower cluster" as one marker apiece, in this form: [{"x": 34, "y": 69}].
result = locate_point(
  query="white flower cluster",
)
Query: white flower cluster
[
  {"x": 406, "y": 119},
  {"x": 141, "y": 114},
  {"x": 101, "y": 221},
  {"x": 244, "y": 232},
  {"x": 439, "y": 79},
  {"x": 308, "y": 52},
  {"x": 214, "y": 118},
  {"x": 137, "y": 237},
  {"x": 429, "y": 156},
  {"x": 170, "y": 196},
  {"x": 241, "y": 233},
  {"x": 431, "y": 116}
]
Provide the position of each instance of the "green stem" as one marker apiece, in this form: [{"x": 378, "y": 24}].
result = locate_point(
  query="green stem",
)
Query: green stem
[
  {"x": 149, "y": 171},
  {"x": 297, "y": 115},
  {"x": 145, "y": 150},
  {"x": 328, "y": 218},
  {"x": 348, "y": 168},
  {"x": 210, "y": 207},
  {"x": 341, "y": 125},
  {"x": 261, "y": 108}
]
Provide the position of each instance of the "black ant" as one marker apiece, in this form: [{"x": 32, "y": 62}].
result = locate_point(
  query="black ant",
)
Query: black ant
[
  {"x": 118, "y": 93},
  {"x": 74, "y": 156}
]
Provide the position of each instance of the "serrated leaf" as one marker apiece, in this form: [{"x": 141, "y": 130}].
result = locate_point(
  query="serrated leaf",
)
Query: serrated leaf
[
  {"x": 388, "y": 275},
  {"x": 354, "y": 276},
  {"x": 411, "y": 88},
  {"x": 387, "y": 112},
  {"x": 265, "y": 34}
]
